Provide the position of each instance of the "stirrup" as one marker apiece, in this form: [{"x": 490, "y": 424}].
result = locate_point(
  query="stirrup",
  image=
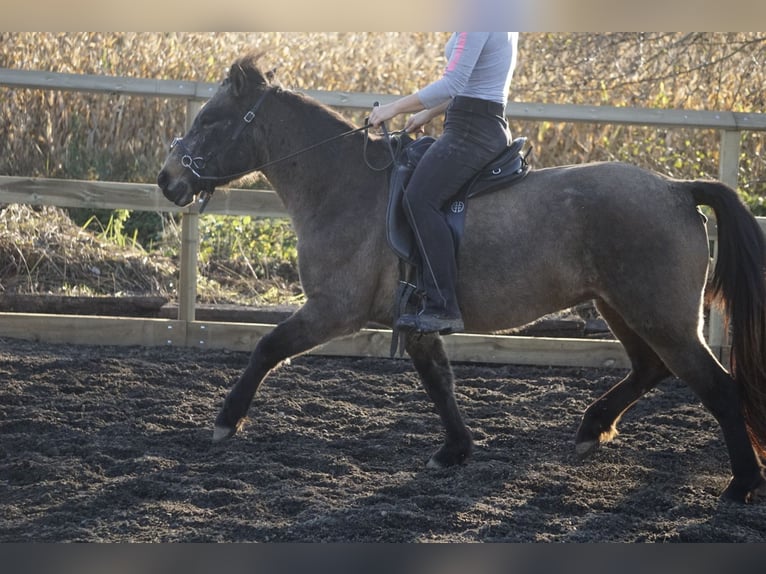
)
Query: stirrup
[
  {"x": 406, "y": 299},
  {"x": 404, "y": 292},
  {"x": 426, "y": 323}
]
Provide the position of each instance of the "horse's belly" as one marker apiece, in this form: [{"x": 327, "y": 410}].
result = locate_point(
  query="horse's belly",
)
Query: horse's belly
[
  {"x": 517, "y": 288},
  {"x": 511, "y": 309}
]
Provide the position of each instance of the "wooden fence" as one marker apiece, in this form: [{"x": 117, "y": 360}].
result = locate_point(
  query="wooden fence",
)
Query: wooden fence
[{"x": 187, "y": 331}]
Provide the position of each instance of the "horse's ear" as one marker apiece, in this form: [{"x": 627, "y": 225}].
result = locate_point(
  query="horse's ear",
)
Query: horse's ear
[
  {"x": 238, "y": 79},
  {"x": 270, "y": 75}
]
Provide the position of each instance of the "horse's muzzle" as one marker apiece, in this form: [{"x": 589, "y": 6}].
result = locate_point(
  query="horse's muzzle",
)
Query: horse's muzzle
[{"x": 175, "y": 189}]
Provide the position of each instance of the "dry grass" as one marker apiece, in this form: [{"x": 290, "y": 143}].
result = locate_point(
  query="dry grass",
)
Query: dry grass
[
  {"x": 122, "y": 138},
  {"x": 60, "y": 134},
  {"x": 42, "y": 251},
  {"x": 119, "y": 138}
]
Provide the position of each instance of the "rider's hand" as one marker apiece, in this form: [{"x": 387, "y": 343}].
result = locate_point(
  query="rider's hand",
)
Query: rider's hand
[
  {"x": 416, "y": 121},
  {"x": 381, "y": 114}
]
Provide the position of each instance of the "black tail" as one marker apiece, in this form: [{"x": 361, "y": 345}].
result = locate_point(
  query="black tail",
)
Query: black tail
[{"x": 739, "y": 284}]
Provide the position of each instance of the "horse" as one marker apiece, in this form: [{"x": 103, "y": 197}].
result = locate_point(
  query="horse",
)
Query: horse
[{"x": 631, "y": 240}]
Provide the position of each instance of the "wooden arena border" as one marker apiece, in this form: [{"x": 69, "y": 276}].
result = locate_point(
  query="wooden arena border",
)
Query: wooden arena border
[
  {"x": 86, "y": 330},
  {"x": 188, "y": 332}
]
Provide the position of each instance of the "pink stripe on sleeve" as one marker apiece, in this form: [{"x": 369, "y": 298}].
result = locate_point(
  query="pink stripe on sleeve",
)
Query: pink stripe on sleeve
[{"x": 457, "y": 52}]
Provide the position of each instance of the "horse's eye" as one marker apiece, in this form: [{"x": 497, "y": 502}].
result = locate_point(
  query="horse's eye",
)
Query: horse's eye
[{"x": 206, "y": 120}]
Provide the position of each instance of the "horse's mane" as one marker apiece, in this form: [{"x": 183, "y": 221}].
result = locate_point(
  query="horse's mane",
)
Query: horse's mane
[
  {"x": 330, "y": 117},
  {"x": 248, "y": 64}
]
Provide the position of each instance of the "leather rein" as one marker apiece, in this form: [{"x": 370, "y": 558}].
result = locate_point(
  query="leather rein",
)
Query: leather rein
[{"x": 195, "y": 164}]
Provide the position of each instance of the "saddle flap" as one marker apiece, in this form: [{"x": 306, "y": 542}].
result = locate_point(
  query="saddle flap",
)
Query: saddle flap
[{"x": 398, "y": 231}]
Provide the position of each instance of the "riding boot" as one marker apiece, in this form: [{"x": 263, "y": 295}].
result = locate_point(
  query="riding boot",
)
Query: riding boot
[
  {"x": 437, "y": 275},
  {"x": 434, "y": 321}
]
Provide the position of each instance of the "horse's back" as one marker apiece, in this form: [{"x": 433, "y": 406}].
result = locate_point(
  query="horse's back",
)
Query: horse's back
[{"x": 568, "y": 234}]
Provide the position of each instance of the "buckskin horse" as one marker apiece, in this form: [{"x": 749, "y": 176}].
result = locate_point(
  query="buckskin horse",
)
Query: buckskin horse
[{"x": 632, "y": 240}]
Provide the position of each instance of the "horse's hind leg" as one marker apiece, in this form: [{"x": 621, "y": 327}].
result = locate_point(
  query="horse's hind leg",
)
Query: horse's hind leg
[
  {"x": 599, "y": 423},
  {"x": 678, "y": 349},
  {"x": 431, "y": 362},
  {"x": 307, "y": 328},
  {"x": 717, "y": 390}
]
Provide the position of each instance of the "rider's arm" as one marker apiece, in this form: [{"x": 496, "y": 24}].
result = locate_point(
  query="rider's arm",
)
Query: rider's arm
[
  {"x": 404, "y": 105},
  {"x": 418, "y": 120},
  {"x": 464, "y": 50}
]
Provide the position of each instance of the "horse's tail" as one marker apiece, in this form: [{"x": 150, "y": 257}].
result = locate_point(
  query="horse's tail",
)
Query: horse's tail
[{"x": 739, "y": 285}]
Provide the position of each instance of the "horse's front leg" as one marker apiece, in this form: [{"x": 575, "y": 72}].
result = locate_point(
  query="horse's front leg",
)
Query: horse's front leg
[
  {"x": 305, "y": 329},
  {"x": 431, "y": 362}
]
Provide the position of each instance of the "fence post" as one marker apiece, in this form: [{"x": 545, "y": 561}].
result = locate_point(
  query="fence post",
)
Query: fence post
[
  {"x": 728, "y": 171},
  {"x": 187, "y": 281}
]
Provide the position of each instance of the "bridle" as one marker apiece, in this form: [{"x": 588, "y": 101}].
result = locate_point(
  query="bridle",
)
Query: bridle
[{"x": 195, "y": 164}]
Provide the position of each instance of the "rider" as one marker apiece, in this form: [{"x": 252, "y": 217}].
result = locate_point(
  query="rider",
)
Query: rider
[{"x": 473, "y": 91}]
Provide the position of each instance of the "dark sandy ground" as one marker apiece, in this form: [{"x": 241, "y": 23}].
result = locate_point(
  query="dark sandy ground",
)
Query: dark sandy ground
[{"x": 113, "y": 444}]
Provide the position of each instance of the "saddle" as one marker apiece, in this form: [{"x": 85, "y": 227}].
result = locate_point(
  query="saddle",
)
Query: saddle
[{"x": 509, "y": 167}]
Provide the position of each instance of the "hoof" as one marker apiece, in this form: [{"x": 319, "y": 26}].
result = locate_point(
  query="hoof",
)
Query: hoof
[
  {"x": 585, "y": 443},
  {"x": 220, "y": 433},
  {"x": 451, "y": 455},
  {"x": 752, "y": 495},
  {"x": 226, "y": 426},
  {"x": 586, "y": 448},
  {"x": 434, "y": 464}
]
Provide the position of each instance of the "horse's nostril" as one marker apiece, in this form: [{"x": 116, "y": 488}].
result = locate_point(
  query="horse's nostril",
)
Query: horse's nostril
[{"x": 162, "y": 180}]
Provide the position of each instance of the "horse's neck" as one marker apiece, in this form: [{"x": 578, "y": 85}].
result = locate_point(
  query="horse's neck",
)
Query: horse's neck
[
  {"x": 312, "y": 177},
  {"x": 300, "y": 182}
]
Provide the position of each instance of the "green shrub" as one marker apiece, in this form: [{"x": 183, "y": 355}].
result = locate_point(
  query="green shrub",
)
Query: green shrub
[{"x": 263, "y": 247}]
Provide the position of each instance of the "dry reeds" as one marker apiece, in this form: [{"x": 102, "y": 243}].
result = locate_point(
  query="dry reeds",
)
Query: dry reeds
[
  {"x": 122, "y": 138},
  {"x": 59, "y": 134}
]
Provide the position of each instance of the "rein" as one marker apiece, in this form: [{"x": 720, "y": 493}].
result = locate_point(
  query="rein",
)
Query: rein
[{"x": 196, "y": 164}]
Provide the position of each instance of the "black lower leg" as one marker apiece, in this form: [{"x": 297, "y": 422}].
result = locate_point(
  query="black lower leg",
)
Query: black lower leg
[
  {"x": 719, "y": 394},
  {"x": 232, "y": 414},
  {"x": 431, "y": 362},
  {"x": 748, "y": 480},
  {"x": 599, "y": 423},
  {"x": 301, "y": 332}
]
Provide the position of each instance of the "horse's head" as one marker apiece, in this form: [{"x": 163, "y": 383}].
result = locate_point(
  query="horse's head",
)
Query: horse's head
[{"x": 218, "y": 148}]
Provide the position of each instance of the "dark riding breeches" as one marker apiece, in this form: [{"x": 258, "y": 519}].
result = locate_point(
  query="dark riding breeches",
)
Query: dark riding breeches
[{"x": 475, "y": 132}]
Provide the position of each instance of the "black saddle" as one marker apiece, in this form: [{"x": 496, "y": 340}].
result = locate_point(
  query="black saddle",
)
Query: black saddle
[{"x": 509, "y": 167}]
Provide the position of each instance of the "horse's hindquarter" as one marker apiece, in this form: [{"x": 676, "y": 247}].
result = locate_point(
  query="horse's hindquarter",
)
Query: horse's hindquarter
[{"x": 568, "y": 234}]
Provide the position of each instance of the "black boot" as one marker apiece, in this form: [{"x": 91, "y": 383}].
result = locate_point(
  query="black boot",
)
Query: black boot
[{"x": 431, "y": 321}]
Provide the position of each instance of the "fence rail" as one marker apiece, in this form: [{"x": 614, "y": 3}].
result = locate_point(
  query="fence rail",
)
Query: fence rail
[
  {"x": 187, "y": 331},
  {"x": 201, "y": 91}
]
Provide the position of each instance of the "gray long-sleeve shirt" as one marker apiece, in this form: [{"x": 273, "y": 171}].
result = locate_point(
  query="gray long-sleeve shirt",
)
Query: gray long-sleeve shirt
[{"x": 479, "y": 65}]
